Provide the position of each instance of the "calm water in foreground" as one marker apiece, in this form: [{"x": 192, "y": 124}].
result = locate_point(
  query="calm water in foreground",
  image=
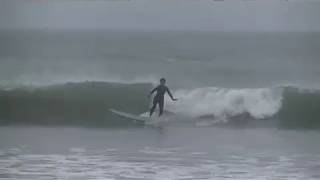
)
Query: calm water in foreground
[{"x": 158, "y": 153}]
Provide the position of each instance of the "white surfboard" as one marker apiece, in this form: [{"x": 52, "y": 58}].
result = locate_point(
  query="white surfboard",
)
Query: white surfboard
[{"x": 130, "y": 116}]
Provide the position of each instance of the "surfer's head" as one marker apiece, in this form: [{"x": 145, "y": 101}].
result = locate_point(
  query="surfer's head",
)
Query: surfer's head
[{"x": 162, "y": 81}]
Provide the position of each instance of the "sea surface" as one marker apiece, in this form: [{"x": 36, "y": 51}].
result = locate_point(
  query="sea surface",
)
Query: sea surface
[
  {"x": 158, "y": 153},
  {"x": 248, "y": 105}
]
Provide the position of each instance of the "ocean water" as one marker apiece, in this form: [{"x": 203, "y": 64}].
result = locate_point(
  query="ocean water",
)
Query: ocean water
[
  {"x": 248, "y": 105},
  {"x": 158, "y": 153}
]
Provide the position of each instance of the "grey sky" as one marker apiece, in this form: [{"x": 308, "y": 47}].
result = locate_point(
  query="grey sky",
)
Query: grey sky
[{"x": 232, "y": 15}]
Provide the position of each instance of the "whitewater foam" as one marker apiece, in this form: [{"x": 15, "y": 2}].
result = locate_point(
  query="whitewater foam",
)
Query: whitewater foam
[{"x": 222, "y": 103}]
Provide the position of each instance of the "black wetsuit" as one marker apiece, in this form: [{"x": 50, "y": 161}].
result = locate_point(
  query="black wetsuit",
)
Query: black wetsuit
[{"x": 159, "y": 98}]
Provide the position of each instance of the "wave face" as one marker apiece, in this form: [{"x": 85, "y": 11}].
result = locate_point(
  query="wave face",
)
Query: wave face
[
  {"x": 84, "y": 103},
  {"x": 300, "y": 109},
  {"x": 87, "y": 103}
]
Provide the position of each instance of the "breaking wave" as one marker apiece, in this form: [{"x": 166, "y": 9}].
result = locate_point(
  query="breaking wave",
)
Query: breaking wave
[
  {"x": 87, "y": 103},
  {"x": 224, "y": 103}
]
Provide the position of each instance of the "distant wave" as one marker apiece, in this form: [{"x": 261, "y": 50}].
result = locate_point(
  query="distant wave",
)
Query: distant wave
[{"x": 87, "y": 103}]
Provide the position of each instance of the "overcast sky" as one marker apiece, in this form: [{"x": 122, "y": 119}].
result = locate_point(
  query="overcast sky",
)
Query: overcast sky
[{"x": 207, "y": 15}]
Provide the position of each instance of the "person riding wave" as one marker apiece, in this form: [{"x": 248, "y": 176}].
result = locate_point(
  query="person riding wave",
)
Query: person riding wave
[{"x": 159, "y": 97}]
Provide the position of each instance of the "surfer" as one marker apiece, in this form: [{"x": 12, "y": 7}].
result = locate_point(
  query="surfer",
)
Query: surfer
[{"x": 159, "y": 97}]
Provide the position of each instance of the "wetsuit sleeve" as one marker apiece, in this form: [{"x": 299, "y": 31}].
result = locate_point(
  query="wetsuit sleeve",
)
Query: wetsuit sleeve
[
  {"x": 154, "y": 90},
  {"x": 170, "y": 94}
]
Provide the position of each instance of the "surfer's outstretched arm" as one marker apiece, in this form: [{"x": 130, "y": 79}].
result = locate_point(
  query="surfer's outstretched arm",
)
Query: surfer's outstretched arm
[{"x": 173, "y": 99}]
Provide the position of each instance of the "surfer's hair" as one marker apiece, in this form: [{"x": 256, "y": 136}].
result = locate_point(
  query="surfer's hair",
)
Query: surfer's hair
[{"x": 163, "y": 79}]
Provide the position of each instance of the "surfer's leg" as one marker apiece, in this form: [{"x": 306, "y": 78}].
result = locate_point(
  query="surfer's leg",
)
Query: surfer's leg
[
  {"x": 161, "y": 107},
  {"x": 153, "y": 107}
]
